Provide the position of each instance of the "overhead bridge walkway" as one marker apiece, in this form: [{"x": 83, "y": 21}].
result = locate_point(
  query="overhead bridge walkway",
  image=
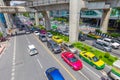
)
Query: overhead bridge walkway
[
  {"x": 15, "y": 9},
  {"x": 74, "y": 7}
]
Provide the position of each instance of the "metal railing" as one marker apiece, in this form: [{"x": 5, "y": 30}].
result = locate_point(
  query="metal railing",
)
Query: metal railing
[{"x": 44, "y": 2}]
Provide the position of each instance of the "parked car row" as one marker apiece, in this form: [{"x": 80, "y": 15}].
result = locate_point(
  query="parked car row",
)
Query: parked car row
[
  {"x": 102, "y": 46},
  {"x": 110, "y": 42}
]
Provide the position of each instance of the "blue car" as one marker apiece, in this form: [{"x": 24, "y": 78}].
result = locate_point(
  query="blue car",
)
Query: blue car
[{"x": 54, "y": 74}]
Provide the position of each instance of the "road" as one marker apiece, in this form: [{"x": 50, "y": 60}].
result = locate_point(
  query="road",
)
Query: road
[{"x": 17, "y": 64}]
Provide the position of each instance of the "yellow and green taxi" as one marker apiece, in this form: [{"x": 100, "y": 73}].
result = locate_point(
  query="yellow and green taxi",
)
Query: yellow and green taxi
[
  {"x": 91, "y": 59},
  {"x": 57, "y": 39}
]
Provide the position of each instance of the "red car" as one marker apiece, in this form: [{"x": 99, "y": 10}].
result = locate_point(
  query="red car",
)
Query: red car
[
  {"x": 43, "y": 31},
  {"x": 70, "y": 59}
]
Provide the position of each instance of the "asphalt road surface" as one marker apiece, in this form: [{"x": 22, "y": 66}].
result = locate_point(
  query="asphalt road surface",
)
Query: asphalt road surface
[{"x": 17, "y": 64}]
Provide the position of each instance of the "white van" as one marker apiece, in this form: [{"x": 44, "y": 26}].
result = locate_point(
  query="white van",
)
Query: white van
[
  {"x": 32, "y": 50},
  {"x": 115, "y": 72}
]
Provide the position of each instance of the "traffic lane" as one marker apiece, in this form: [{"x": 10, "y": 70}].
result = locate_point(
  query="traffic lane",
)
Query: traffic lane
[
  {"x": 87, "y": 71},
  {"x": 114, "y": 52},
  {"x": 26, "y": 67},
  {"x": 81, "y": 73},
  {"x": 48, "y": 59},
  {"x": 6, "y": 61}
]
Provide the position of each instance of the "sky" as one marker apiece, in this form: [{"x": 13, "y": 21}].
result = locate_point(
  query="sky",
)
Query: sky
[{"x": 16, "y": 2}]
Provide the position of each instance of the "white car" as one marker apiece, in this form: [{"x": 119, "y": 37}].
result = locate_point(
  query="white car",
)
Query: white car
[
  {"x": 36, "y": 33},
  {"x": 32, "y": 50}
]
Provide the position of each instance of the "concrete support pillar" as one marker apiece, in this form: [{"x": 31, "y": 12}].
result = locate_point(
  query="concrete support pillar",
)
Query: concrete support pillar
[
  {"x": 36, "y": 19},
  {"x": 105, "y": 20},
  {"x": 74, "y": 16},
  {"x": 46, "y": 15},
  {"x": 97, "y": 22},
  {"x": 7, "y": 18},
  {"x": 8, "y": 22}
]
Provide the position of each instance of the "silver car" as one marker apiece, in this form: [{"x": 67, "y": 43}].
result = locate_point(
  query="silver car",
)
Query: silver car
[
  {"x": 49, "y": 35},
  {"x": 69, "y": 47},
  {"x": 43, "y": 38},
  {"x": 102, "y": 46}
]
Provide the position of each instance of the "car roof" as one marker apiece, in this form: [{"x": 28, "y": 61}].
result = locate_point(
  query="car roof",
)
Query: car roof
[
  {"x": 56, "y": 75},
  {"x": 31, "y": 46},
  {"x": 69, "y": 54},
  {"x": 68, "y": 44},
  {"x": 42, "y": 35},
  {"x": 89, "y": 54},
  {"x": 51, "y": 41},
  {"x": 108, "y": 39}
]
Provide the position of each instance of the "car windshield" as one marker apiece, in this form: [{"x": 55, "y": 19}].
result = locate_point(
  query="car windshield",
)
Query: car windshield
[
  {"x": 105, "y": 45},
  {"x": 71, "y": 46},
  {"x": 95, "y": 59},
  {"x": 73, "y": 59},
  {"x": 57, "y": 38},
  {"x": 33, "y": 50},
  {"x": 107, "y": 41},
  {"x": 65, "y": 31},
  {"x": 81, "y": 34},
  {"x": 55, "y": 45},
  {"x": 49, "y": 33},
  {"x": 43, "y": 36}
]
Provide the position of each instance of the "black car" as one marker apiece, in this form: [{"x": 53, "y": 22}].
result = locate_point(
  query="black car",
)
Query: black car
[
  {"x": 81, "y": 37},
  {"x": 53, "y": 46}
]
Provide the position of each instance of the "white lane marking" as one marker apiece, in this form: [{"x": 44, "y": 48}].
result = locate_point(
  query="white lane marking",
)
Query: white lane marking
[
  {"x": 13, "y": 61},
  {"x": 13, "y": 70},
  {"x": 55, "y": 58},
  {"x": 83, "y": 75},
  {"x": 35, "y": 55},
  {"x": 39, "y": 63},
  {"x": 92, "y": 71}
]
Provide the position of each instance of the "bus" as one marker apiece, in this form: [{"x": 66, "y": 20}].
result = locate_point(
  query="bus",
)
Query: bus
[{"x": 115, "y": 71}]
